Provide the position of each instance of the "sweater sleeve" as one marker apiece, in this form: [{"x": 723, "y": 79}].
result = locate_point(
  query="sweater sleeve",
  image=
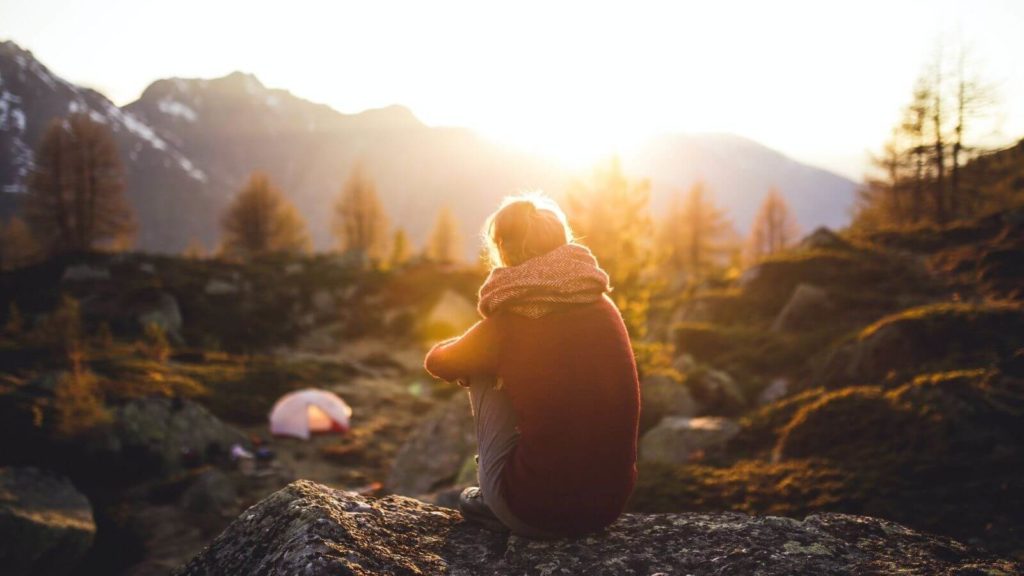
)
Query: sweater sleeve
[{"x": 473, "y": 353}]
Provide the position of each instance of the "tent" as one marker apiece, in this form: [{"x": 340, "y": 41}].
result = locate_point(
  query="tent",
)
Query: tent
[{"x": 307, "y": 411}]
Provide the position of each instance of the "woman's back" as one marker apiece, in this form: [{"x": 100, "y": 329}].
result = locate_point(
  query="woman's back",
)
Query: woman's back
[{"x": 572, "y": 381}]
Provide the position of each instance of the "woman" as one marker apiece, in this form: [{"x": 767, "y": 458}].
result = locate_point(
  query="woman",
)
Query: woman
[{"x": 552, "y": 381}]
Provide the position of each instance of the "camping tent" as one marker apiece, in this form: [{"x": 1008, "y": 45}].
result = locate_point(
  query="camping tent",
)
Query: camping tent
[{"x": 306, "y": 411}]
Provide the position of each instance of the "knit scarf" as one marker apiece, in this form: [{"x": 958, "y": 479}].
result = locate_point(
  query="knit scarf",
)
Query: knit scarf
[{"x": 568, "y": 274}]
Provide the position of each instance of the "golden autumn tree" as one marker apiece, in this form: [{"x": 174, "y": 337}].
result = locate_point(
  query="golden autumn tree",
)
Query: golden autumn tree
[
  {"x": 445, "y": 242},
  {"x": 76, "y": 189},
  {"x": 401, "y": 249},
  {"x": 261, "y": 220},
  {"x": 775, "y": 228},
  {"x": 609, "y": 213},
  {"x": 695, "y": 234},
  {"x": 360, "y": 224}
]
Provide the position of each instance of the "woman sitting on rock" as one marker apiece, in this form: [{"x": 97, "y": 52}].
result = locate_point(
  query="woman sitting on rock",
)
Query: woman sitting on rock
[{"x": 551, "y": 378}]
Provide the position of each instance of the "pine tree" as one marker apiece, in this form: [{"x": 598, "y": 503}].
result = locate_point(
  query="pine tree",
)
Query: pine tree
[
  {"x": 359, "y": 220},
  {"x": 445, "y": 243},
  {"x": 261, "y": 220},
  {"x": 76, "y": 189},
  {"x": 774, "y": 229}
]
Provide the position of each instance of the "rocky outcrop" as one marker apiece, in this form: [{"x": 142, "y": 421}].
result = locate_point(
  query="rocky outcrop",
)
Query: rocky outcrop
[
  {"x": 436, "y": 450},
  {"x": 313, "y": 530},
  {"x": 928, "y": 338},
  {"x": 46, "y": 525}
]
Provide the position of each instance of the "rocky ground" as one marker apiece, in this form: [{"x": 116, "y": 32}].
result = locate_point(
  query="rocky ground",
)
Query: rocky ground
[
  {"x": 879, "y": 376},
  {"x": 311, "y": 529}
]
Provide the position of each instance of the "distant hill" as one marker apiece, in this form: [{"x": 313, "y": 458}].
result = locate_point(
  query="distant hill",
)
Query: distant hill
[{"x": 189, "y": 144}]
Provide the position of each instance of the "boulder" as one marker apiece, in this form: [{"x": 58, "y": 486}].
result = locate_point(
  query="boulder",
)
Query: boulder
[
  {"x": 212, "y": 492},
  {"x": 453, "y": 313},
  {"x": 160, "y": 309},
  {"x": 716, "y": 393},
  {"x": 662, "y": 396},
  {"x": 323, "y": 301},
  {"x": 161, "y": 434},
  {"x": 823, "y": 239},
  {"x": 678, "y": 440},
  {"x": 218, "y": 287},
  {"x": 84, "y": 273},
  {"x": 776, "y": 390},
  {"x": 436, "y": 449},
  {"x": 46, "y": 525},
  {"x": 310, "y": 529},
  {"x": 808, "y": 307}
]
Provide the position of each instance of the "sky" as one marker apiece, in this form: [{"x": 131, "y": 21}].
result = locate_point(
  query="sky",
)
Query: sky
[{"x": 821, "y": 81}]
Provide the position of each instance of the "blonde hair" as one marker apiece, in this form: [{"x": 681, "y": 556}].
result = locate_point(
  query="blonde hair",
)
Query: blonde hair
[{"x": 524, "y": 226}]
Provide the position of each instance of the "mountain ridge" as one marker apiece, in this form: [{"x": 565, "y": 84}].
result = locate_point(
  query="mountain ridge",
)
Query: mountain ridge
[{"x": 189, "y": 144}]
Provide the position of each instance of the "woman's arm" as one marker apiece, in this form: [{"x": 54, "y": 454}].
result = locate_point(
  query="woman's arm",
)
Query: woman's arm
[{"x": 473, "y": 353}]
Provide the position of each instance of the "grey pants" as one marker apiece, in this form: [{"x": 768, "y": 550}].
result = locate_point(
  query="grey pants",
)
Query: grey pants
[{"x": 496, "y": 435}]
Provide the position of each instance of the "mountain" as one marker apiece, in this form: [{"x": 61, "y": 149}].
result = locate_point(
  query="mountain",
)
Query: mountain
[
  {"x": 738, "y": 173},
  {"x": 164, "y": 185},
  {"x": 189, "y": 145}
]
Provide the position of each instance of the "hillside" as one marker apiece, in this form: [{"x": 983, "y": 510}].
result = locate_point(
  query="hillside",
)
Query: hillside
[{"x": 189, "y": 144}]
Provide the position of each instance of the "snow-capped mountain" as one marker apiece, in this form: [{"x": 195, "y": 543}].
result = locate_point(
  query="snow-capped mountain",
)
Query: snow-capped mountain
[
  {"x": 161, "y": 179},
  {"x": 190, "y": 144}
]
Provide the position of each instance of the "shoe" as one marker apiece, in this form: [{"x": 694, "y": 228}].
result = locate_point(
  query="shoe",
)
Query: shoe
[{"x": 473, "y": 509}]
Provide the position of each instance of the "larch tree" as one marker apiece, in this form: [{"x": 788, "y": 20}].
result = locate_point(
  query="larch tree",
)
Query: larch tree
[
  {"x": 360, "y": 224},
  {"x": 920, "y": 178},
  {"x": 445, "y": 242},
  {"x": 401, "y": 249},
  {"x": 261, "y": 220},
  {"x": 609, "y": 213},
  {"x": 75, "y": 195},
  {"x": 695, "y": 234},
  {"x": 774, "y": 228}
]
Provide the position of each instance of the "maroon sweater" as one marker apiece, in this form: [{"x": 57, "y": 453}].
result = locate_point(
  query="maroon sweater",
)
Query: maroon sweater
[{"x": 572, "y": 381}]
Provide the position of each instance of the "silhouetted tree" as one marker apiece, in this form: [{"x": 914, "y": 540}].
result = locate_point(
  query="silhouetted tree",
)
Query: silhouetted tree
[
  {"x": 774, "y": 228},
  {"x": 261, "y": 220},
  {"x": 445, "y": 242},
  {"x": 76, "y": 188},
  {"x": 695, "y": 234},
  {"x": 920, "y": 177},
  {"x": 359, "y": 220}
]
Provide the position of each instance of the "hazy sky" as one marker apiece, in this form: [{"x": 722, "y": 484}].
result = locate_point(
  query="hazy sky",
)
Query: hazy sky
[{"x": 821, "y": 81}]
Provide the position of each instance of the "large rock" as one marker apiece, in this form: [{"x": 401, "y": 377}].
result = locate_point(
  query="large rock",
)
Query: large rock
[
  {"x": 662, "y": 396},
  {"x": 680, "y": 440},
  {"x": 715, "y": 391},
  {"x": 823, "y": 239},
  {"x": 159, "y": 308},
  {"x": 808, "y": 307},
  {"x": 436, "y": 450},
  {"x": 156, "y": 434},
  {"x": 312, "y": 530},
  {"x": 46, "y": 525}
]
